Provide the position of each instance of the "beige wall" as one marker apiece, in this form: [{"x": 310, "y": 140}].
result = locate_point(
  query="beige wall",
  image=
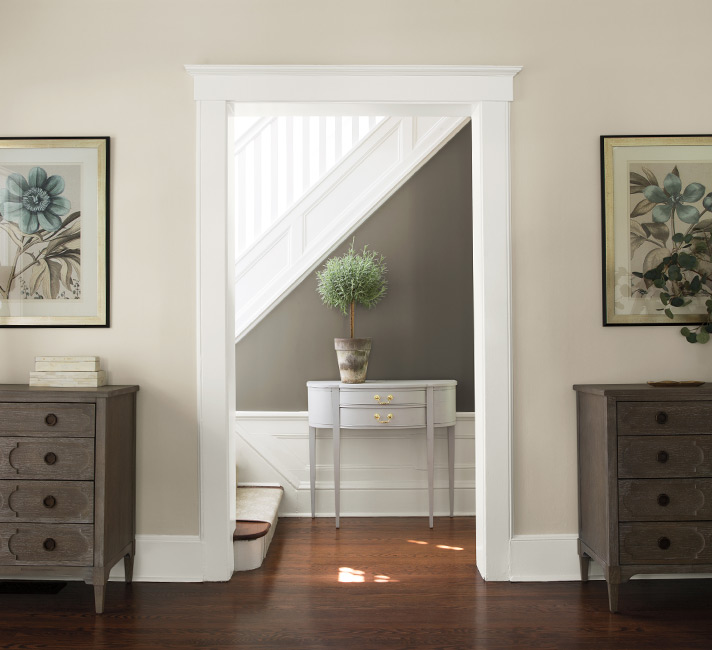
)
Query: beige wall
[{"x": 114, "y": 67}]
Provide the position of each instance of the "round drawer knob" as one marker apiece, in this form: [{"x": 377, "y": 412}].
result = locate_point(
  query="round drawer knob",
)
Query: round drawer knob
[
  {"x": 51, "y": 419},
  {"x": 49, "y": 501},
  {"x": 50, "y": 458},
  {"x": 49, "y": 544},
  {"x": 663, "y": 500},
  {"x": 661, "y": 418},
  {"x": 664, "y": 543},
  {"x": 663, "y": 457}
]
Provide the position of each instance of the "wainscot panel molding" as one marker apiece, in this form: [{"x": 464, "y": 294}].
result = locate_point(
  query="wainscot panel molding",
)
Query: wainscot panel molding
[{"x": 382, "y": 473}]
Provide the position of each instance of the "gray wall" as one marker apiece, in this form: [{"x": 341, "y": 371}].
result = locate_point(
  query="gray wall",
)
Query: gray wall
[{"x": 422, "y": 329}]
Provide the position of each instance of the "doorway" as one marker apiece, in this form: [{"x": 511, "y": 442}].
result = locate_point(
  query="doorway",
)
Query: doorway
[{"x": 482, "y": 93}]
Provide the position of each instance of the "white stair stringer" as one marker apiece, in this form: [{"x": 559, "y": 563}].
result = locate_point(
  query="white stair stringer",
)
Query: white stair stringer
[{"x": 327, "y": 214}]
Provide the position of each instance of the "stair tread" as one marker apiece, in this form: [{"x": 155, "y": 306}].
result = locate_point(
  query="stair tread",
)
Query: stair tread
[
  {"x": 258, "y": 504},
  {"x": 248, "y": 530}
]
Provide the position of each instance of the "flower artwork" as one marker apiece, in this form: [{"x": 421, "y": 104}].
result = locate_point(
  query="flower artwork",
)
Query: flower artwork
[
  {"x": 671, "y": 241},
  {"x": 40, "y": 237},
  {"x": 54, "y": 226}
]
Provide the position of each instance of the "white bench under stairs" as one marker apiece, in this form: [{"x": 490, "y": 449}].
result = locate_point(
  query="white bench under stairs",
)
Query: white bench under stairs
[{"x": 256, "y": 517}]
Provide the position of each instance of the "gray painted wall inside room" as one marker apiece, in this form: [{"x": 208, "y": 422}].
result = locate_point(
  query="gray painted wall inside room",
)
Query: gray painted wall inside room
[{"x": 422, "y": 329}]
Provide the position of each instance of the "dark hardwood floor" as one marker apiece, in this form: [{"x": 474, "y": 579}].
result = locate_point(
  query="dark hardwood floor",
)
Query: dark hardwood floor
[{"x": 377, "y": 584}]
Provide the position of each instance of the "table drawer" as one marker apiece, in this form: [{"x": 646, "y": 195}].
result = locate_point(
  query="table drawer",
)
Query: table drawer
[
  {"x": 385, "y": 397},
  {"x": 663, "y": 418},
  {"x": 47, "y": 419},
  {"x": 47, "y": 458},
  {"x": 664, "y": 456},
  {"x": 382, "y": 416},
  {"x": 47, "y": 544},
  {"x": 666, "y": 543},
  {"x": 47, "y": 501},
  {"x": 677, "y": 499}
]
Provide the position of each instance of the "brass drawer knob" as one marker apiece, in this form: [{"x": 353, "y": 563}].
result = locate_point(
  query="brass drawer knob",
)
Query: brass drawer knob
[
  {"x": 389, "y": 399},
  {"x": 49, "y": 544},
  {"x": 51, "y": 419},
  {"x": 389, "y": 417},
  {"x": 661, "y": 417},
  {"x": 50, "y": 458},
  {"x": 663, "y": 456},
  {"x": 664, "y": 543},
  {"x": 49, "y": 501},
  {"x": 663, "y": 500}
]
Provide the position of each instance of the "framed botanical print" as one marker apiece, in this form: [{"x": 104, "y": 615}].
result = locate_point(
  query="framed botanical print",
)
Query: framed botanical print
[
  {"x": 54, "y": 232},
  {"x": 657, "y": 229}
]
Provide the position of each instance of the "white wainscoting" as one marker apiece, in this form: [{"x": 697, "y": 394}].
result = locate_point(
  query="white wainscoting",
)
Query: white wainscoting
[{"x": 382, "y": 473}]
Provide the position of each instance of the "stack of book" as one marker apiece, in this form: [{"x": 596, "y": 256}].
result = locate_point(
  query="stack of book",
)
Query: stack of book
[{"x": 67, "y": 372}]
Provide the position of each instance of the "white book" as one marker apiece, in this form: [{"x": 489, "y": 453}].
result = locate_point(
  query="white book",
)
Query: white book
[
  {"x": 68, "y": 379},
  {"x": 67, "y": 359},
  {"x": 71, "y": 366}
]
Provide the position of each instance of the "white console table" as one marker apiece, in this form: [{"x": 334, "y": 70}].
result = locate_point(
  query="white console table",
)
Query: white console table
[{"x": 401, "y": 404}]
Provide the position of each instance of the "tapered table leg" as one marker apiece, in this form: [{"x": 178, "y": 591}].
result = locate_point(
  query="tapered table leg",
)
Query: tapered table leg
[
  {"x": 312, "y": 469},
  {"x": 337, "y": 451},
  {"x": 451, "y": 466},
  {"x": 430, "y": 435}
]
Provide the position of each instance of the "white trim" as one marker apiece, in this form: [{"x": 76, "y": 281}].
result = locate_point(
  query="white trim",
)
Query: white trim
[
  {"x": 355, "y": 70},
  {"x": 545, "y": 558},
  {"x": 483, "y": 93},
  {"x": 165, "y": 558},
  {"x": 554, "y": 558}
]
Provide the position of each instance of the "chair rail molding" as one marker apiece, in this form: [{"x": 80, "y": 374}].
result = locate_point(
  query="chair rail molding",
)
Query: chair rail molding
[{"x": 484, "y": 94}]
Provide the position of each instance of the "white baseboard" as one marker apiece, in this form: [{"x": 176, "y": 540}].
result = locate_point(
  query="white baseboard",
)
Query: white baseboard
[
  {"x": 546, "y": 558},
  {"x": 554, "y": 558},
  {"x": 165, "y": 558}
]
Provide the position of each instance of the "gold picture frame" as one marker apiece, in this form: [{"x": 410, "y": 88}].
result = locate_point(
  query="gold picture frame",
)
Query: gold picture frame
[
  {"x": 656, "y": 195},
  {"x": 54, "y": 232}
]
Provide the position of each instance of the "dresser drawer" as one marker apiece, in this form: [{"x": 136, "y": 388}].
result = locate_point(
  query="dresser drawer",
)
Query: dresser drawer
[
  {"x": 47, "y": 419},
  {"x": 47, "y": 501},
  {"x": 663, "y": 418},
  {"x": 666, "y": 543},
  {"x": 679, "y": 499},
  {"x": 362, "y": 417},
  {"x": 664, "y": 456},
  {"x": 378, "y": 397},
  {"x": 47, "y": 544},
  {"x": 47, "y": 458}
]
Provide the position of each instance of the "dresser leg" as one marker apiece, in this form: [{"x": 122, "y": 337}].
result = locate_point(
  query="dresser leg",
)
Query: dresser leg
[
  {"x": 584, "y": 561},
  {"x": 128, "y": 567},
  {"x": 613, "y": 580},
  {"x": 99, "y": 593}
]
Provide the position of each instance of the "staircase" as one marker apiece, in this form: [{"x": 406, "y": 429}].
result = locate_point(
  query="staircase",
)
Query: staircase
[
  {"x": 303, "y": 185},
  {"x": 257, "y": 510}
]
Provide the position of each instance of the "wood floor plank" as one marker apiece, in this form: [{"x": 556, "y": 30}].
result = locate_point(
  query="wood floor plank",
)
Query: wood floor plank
[{"x": 418, "y": 591}]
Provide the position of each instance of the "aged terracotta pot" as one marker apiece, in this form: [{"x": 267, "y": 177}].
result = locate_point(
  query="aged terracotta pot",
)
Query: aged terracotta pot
[{"x": 353, "y": 359}]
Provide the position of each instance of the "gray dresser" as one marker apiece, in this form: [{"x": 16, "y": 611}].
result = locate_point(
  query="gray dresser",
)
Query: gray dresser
[
  {"x": 67, "y": 483},
  {"x": 645, "y": 480}
]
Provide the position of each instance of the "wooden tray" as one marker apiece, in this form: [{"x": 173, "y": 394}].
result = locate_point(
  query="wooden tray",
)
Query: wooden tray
[{"x": 675, "y": 384}]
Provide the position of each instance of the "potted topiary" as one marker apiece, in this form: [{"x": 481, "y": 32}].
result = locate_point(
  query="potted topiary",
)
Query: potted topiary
[{"x": 342, "y": 283}]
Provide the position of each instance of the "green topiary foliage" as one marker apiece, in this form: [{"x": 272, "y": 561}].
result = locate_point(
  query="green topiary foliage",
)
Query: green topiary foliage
[{"x": 353, "y": 278}]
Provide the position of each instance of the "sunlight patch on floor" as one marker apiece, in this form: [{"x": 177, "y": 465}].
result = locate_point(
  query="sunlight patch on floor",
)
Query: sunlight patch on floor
[
  {"x": 347, "y": 574},
  {"x": 450, "y": 548}
]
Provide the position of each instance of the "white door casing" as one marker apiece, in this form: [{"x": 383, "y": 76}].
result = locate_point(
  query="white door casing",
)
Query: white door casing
[{"x": 483, "y": 93}]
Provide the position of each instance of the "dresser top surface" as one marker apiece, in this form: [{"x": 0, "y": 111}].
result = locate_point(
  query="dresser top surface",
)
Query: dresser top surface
[
  {"x": 25, "y": 392},
  {"x": 647, "y": 392},
  {"x": 384, "y": 383}
]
